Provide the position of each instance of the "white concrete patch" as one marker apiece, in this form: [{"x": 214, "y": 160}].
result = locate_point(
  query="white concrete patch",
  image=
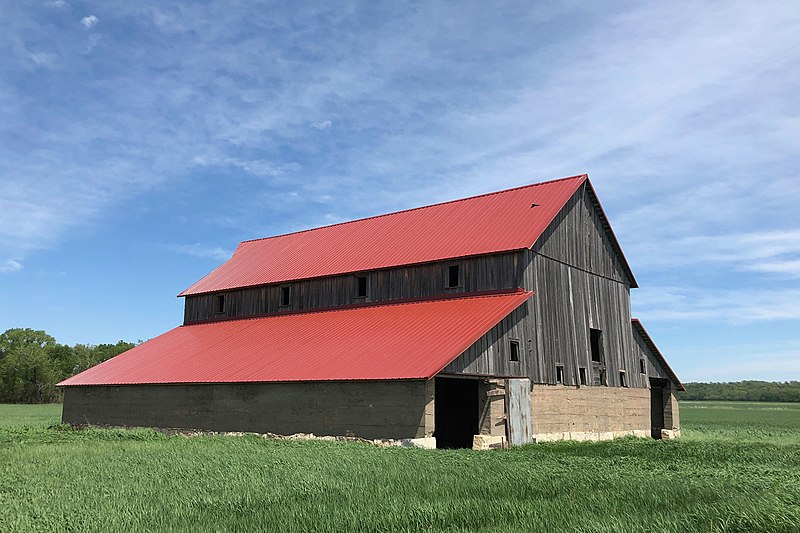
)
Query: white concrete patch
[
  {"x": 489, "y": 442},
  {"x": 594, "y": 436}
]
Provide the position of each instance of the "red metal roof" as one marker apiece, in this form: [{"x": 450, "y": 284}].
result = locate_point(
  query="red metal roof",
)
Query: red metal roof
[
  {"x": 413, "y": 340},
  {"x": 491, "y": 223}
]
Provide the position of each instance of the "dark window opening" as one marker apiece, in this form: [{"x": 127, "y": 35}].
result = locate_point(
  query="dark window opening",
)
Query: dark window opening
[
  {"x": 596, "y": 341},
  {"x": 622, "y": 381},
  {"x": 582, "y": 375},
  {"x": 642, "y": 367},
  {"x": 559, "y": 373},
  {"x": 361, "y": 286},
  {"x": 286, "y": 296},
  {"x": 220, "y": 303},
  {"x": 514, "y": 354},
  {"x": 454, "y": 275}
]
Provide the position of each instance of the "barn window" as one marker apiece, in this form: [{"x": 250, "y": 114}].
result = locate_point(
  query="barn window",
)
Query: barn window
[
  {"x": 596, "y": 341},
  {"x": 642, "y": 367},
  {"x": 622, "y": 380},
  {"x": 514, "y": 353},
  {"x": 286, "y": 295},
  {"x": 582, "y": 375},
  {"x": 361, "y": 286},
  {"x": 453, "y": 276},
  {"x": 559, "y": 373},
  {"x": 220, "y": 303}
]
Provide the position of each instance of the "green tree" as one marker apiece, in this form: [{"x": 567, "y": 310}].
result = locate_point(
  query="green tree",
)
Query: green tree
[{"x": 27, "y": 373}]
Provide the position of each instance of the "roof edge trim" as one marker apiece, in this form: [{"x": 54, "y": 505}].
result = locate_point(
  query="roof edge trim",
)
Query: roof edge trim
[
  {"x": 584, "y": 176},
  {"x": 612, "y": 236}
]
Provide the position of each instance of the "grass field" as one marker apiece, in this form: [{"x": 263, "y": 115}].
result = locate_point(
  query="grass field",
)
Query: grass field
[{"x": 736, "y": 469}]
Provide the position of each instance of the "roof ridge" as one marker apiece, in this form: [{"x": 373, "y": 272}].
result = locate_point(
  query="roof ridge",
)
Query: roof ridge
[
  {"x": 585, "y": 176},
  {"x": 383, "y": 303}
]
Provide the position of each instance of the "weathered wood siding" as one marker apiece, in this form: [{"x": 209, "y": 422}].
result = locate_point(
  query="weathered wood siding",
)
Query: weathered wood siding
[
  {"x": 490, "y": 272},
  {"x": 490, "y": 355},
  {"x": 577, "y": 238},
  {"x": 567, "y": 304},
  {"x": 580, "y": 283},
  {"x": 653, "y": 365}
]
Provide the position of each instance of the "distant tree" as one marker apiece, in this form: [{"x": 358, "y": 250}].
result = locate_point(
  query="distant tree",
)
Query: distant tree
[
  {"x": 751, "y": 390},
  {"x": 32, "y": 362},
  {"x": 27, "y": 373}
]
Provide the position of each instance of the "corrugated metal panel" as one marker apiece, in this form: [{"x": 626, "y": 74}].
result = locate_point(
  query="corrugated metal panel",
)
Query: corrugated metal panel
[
  {"x": 490, "y": 223},
  {"x": 637, "y": 324},
  {"x": 397, "y": 341}
]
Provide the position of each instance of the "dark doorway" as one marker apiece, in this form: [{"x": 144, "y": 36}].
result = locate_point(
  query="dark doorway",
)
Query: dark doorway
[
  {"x": 657, "y": 387},
  {"x": 456, "y": 412},
  {"x": 598, "y": 358}
]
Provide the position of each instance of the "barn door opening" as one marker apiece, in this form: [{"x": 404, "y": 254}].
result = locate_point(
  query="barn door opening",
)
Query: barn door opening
[
  {"x": 657, "y": 406},
  {"x": 455, "y": 412}
]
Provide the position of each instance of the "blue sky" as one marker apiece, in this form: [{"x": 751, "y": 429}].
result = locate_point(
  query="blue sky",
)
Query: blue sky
[{"x": 141, "y": 141}]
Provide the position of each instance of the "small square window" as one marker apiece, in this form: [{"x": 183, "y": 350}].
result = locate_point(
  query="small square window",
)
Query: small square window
[
  {"x": 361, "y": 286},
  {"x": 582, "y": 375},
  {"x": 622, "y": 381},
  {"x": 220, "y": 303},
  {"x": 559, "y": 373},
  {"x": 642, "y": 366},
  {"x": 453, "y": 276},
  {"x": 286, "y": 296},
  {"x": 514, "y": 353}
]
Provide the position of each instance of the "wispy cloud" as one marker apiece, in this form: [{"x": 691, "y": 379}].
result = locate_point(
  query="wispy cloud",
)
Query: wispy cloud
[
  {"x": 200, "y": 250},
  {"x": 735, "y": 306},
  {"x": 684, "y": 114},
  {"x": 10, "y": 265},
  {"x": 89, "y": 21},
  {"x": 760, "y": 251}
]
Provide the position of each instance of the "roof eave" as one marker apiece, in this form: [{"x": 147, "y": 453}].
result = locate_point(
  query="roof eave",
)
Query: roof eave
[{"x": 635, "y": 322}]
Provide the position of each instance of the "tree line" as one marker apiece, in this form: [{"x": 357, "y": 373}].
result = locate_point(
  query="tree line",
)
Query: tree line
[
  {"x": 749, "y": 391},
  {"x": 32, "y": 362}
]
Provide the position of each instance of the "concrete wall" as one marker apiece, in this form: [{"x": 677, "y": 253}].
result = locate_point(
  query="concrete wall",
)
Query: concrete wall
[
  {"x": 492, "y": 408},
  {"x": 672, "y": 416},
  {"x": 589, "y": 413},
  {"x": 368, "y": 409}
]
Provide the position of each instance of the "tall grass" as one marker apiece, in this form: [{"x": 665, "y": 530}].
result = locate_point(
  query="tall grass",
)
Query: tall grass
[{"x": 137, "y": 480}]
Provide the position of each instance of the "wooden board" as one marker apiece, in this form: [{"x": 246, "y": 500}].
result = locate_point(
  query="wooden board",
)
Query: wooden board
[{"x": 518, "y": 410}]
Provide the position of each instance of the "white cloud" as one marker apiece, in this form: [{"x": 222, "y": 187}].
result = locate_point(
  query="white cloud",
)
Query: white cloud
[
  {"x": 200, "y": 250},
  {"x": 775, "y": 251},
  {"x": 11, "y": 265},
  {"x": 89, "y": 21},
  {"x": 325, "y": 124},
  {"x": 43, "y": 59},
  {"x": 58, "y": 4}
]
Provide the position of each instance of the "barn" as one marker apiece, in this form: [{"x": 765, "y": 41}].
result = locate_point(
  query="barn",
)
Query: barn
[{"x": 500, "y": 318}]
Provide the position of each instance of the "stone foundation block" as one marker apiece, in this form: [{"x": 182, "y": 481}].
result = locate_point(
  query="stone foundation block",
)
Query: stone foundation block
[{"x": 489, "y": 442}]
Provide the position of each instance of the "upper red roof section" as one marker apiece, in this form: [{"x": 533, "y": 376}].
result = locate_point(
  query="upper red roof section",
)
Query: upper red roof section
[
  {"x": 413, "y": 340},
  {"x": 490, "y": 223}
]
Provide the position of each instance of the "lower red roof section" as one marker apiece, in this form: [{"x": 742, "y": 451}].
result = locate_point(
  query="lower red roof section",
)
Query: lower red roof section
[{"x": 412, "y": 340}]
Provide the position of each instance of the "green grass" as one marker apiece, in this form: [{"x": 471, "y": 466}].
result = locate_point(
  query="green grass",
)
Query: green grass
[{"x": 736, "y": 469}]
